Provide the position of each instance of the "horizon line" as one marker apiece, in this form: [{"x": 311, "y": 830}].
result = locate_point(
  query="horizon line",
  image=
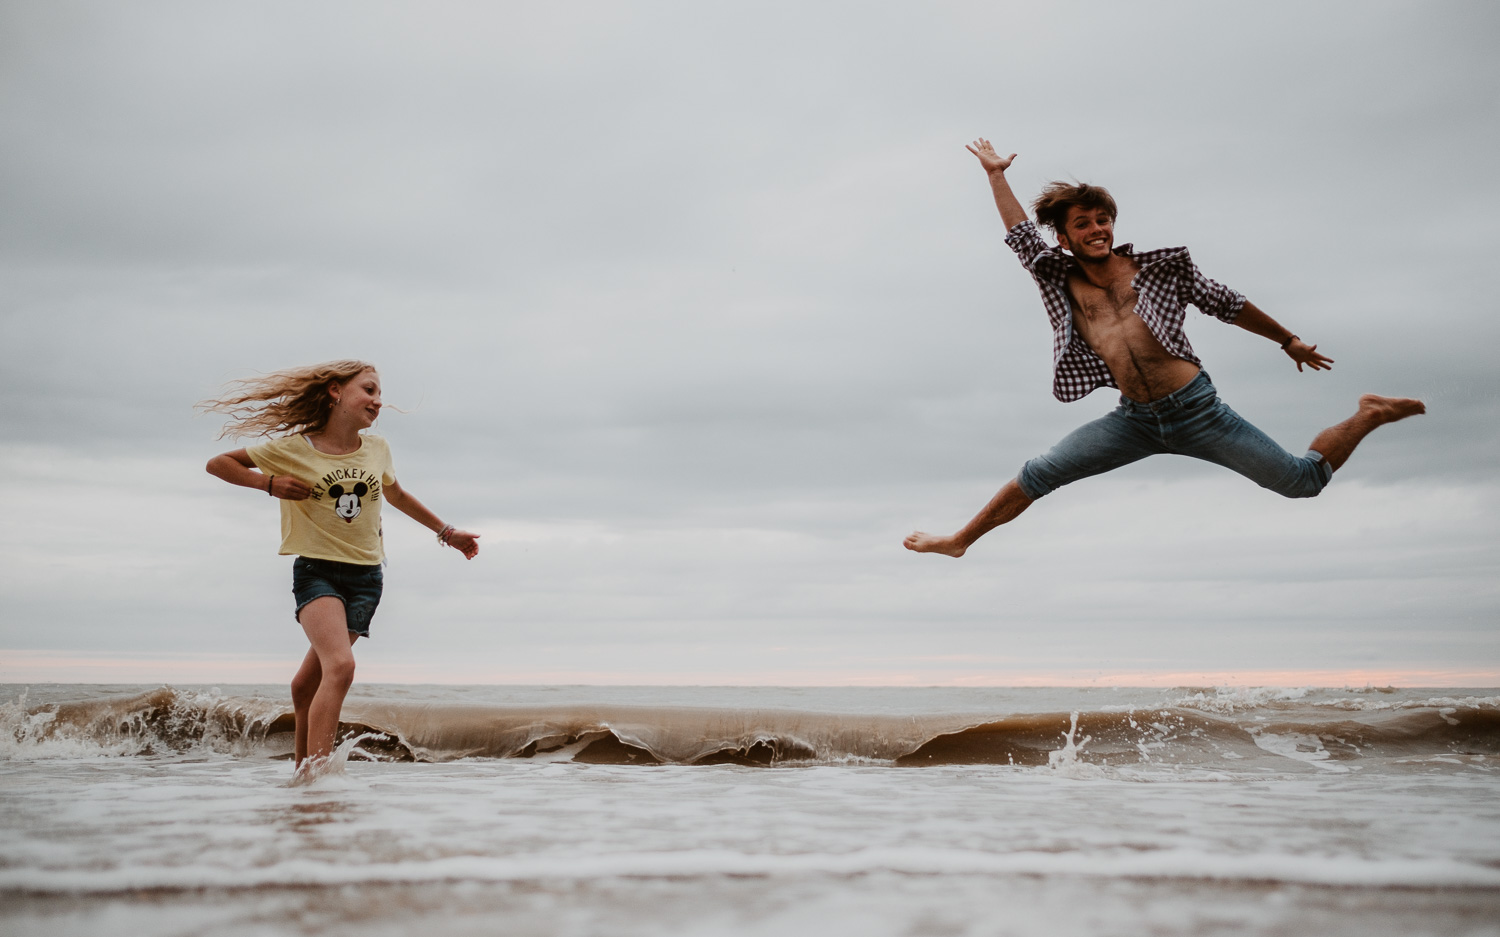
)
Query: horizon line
[{"x": 54, "y": 667}]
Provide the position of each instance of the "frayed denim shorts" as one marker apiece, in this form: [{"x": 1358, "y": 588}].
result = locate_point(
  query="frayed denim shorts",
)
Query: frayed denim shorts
[{"x": 358, "y": 587}]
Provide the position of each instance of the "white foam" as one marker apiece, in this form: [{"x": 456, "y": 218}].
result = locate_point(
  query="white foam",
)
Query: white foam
[
  {"x": 1228, "y": 700},
  {"x": 148, "y": 722},
  {"x": 1299, "y": 746},
  {"x": 1452, "y": 703}
]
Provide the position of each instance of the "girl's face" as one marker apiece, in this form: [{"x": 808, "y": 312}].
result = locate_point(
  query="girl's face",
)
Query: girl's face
[{"x": 357, "y": 399}]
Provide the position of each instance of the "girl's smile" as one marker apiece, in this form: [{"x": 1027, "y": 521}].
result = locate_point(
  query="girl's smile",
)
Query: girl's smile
[{"x": 359, "y": 397}]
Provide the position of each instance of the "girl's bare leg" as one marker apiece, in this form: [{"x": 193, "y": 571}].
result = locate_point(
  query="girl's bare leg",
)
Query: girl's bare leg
[
  {"x": 324, "y": 678},
  {"x": 1007, "y": 504},
  {"x": 304, "y": 687}
]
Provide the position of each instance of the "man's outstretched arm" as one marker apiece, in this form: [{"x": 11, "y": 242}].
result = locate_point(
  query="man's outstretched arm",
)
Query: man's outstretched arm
[
  {"x": 995, "y": 165},
  {"x": 1252, "y": 319}
]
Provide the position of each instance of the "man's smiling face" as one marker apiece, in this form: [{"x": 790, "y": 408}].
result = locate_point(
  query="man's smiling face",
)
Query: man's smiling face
[{"x": 1089, "y": 233}]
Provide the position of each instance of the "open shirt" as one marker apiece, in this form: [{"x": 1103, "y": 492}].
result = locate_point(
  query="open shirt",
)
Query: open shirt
[{"x": 1165, "y": 284}]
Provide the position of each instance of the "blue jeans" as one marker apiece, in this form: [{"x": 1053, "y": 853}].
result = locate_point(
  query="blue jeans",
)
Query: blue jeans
[{"x": 1190, "y": 421}]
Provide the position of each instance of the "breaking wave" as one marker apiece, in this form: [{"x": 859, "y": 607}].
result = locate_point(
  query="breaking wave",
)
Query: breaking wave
[{"x": 1200, "y": 727}]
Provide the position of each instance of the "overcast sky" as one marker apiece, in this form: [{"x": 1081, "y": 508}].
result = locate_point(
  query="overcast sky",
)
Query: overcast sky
[{"x": 697, "y": 310}]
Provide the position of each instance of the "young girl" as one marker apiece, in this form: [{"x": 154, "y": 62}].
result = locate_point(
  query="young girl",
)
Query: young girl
[{"x": 331, "y": 480}]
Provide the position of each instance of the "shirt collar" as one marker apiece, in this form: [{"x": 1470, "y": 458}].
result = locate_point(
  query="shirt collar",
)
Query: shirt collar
[{"x": 1055, "y": 265}]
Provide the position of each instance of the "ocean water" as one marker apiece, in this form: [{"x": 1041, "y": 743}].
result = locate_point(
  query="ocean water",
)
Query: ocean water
[{"x": 620, "y": 811}]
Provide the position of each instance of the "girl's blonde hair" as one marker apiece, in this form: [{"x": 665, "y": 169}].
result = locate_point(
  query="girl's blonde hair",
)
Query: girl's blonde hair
[{"x": 294, "y": 400}]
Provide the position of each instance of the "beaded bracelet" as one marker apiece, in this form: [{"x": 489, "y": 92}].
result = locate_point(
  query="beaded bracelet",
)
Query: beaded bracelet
[{"x": 442, "y": 537}]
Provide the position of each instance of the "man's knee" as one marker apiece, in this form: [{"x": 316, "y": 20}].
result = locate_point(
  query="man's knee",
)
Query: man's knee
[
  {"x": 1033, "y": 482},
  {"x": 1308, "y": 479}
]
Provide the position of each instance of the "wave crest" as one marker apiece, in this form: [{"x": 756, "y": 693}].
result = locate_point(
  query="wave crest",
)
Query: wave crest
[{"x": 1279, "y": 729}]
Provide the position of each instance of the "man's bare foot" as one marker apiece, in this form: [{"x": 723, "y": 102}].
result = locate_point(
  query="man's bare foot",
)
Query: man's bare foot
[
  {"x": 932, "y": 543},
  {"x": 1391, "y": 409}
]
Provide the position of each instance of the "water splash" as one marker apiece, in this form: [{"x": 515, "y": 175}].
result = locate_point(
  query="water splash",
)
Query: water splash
[
  {"x": 1065, "y": 760},
  {"x": 320, "y": 773}
]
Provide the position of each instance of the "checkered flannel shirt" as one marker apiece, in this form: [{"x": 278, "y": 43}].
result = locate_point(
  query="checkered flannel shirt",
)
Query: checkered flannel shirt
[{"x": 1166, "y": 283}]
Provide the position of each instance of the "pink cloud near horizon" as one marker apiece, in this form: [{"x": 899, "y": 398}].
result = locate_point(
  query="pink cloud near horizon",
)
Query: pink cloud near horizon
[{"x": 33, "y": 666}]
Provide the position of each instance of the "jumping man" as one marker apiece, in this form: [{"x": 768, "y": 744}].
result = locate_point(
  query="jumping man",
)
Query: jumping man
[{"x": 1117, "y": 318}]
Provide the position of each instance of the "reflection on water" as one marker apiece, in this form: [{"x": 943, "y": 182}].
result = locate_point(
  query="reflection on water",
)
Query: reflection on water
[{"x": 304, "y": 816}]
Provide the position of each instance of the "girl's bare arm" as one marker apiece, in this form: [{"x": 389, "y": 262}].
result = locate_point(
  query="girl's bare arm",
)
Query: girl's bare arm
[
  {"x": 461, "y": 540},
  {"x": 238, "y": 468}
]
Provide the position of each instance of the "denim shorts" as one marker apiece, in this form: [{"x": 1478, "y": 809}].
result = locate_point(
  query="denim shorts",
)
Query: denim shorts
[
  {"x": 358, "y": 587},
  {"x": 1191, "y": 421}
]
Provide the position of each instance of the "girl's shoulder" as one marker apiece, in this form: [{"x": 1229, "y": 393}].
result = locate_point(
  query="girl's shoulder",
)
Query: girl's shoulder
[
  {"x": 278, "y": 443},
  {"x": 376, "y": 443}
]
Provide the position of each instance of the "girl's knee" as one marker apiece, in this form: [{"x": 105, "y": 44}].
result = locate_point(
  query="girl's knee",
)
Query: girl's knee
[
  {"x": 304, "y": 688},
  {"x": 340, "y": 671}
]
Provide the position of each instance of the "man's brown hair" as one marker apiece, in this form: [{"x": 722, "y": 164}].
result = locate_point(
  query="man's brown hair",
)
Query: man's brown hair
[{"x": 1051, "y": 207}]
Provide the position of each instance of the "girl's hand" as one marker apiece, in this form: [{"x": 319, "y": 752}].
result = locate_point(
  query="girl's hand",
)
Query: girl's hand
[
  {"x": 465, "y": 543},
  {"x": 289, "y": 489}
]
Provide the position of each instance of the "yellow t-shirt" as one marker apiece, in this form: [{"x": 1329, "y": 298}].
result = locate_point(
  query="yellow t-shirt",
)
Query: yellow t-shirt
[{"x": 340, "y": 520}]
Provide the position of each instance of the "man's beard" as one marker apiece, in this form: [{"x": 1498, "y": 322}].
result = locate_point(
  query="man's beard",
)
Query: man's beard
[{"x": 1095, "y": 260}]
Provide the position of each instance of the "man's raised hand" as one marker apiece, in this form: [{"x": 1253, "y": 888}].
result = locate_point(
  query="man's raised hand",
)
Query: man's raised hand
[
  {"x": 991, "y": 161},
  {"x": 1303, "y": 353}
]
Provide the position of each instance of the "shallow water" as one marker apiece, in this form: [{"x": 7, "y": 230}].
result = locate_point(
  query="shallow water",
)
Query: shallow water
[{"x": 1345, "y": 812}]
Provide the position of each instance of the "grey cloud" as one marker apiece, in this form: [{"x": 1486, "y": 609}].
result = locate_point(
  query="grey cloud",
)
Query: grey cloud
[{"x": 695, "y": 268}]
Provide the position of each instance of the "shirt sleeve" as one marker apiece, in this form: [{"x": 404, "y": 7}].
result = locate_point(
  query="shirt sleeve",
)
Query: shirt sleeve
[
  {"x": 270, "y": 457},
  {"x": 1211, "y": 297},
  {"x": 388, "y": 470},
  {"x": 1026, "y": 241}
]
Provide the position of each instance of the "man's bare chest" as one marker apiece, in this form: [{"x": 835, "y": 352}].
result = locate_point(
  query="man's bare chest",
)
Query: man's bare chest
[{"x": 1102, "y": 307}]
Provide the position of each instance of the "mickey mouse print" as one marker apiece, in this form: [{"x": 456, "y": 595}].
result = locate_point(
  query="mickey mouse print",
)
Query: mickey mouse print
[
  {"x": 347, "y": 505},
  {"x": 347, "y": 489},
  {"x": 340, "y": 519}
]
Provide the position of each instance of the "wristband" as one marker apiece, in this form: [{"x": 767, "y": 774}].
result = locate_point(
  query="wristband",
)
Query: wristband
[
  {"x": 1288, "y": 342},
  {"x": 269, "y": 482},
  {"x": 442, "y": 537}
]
